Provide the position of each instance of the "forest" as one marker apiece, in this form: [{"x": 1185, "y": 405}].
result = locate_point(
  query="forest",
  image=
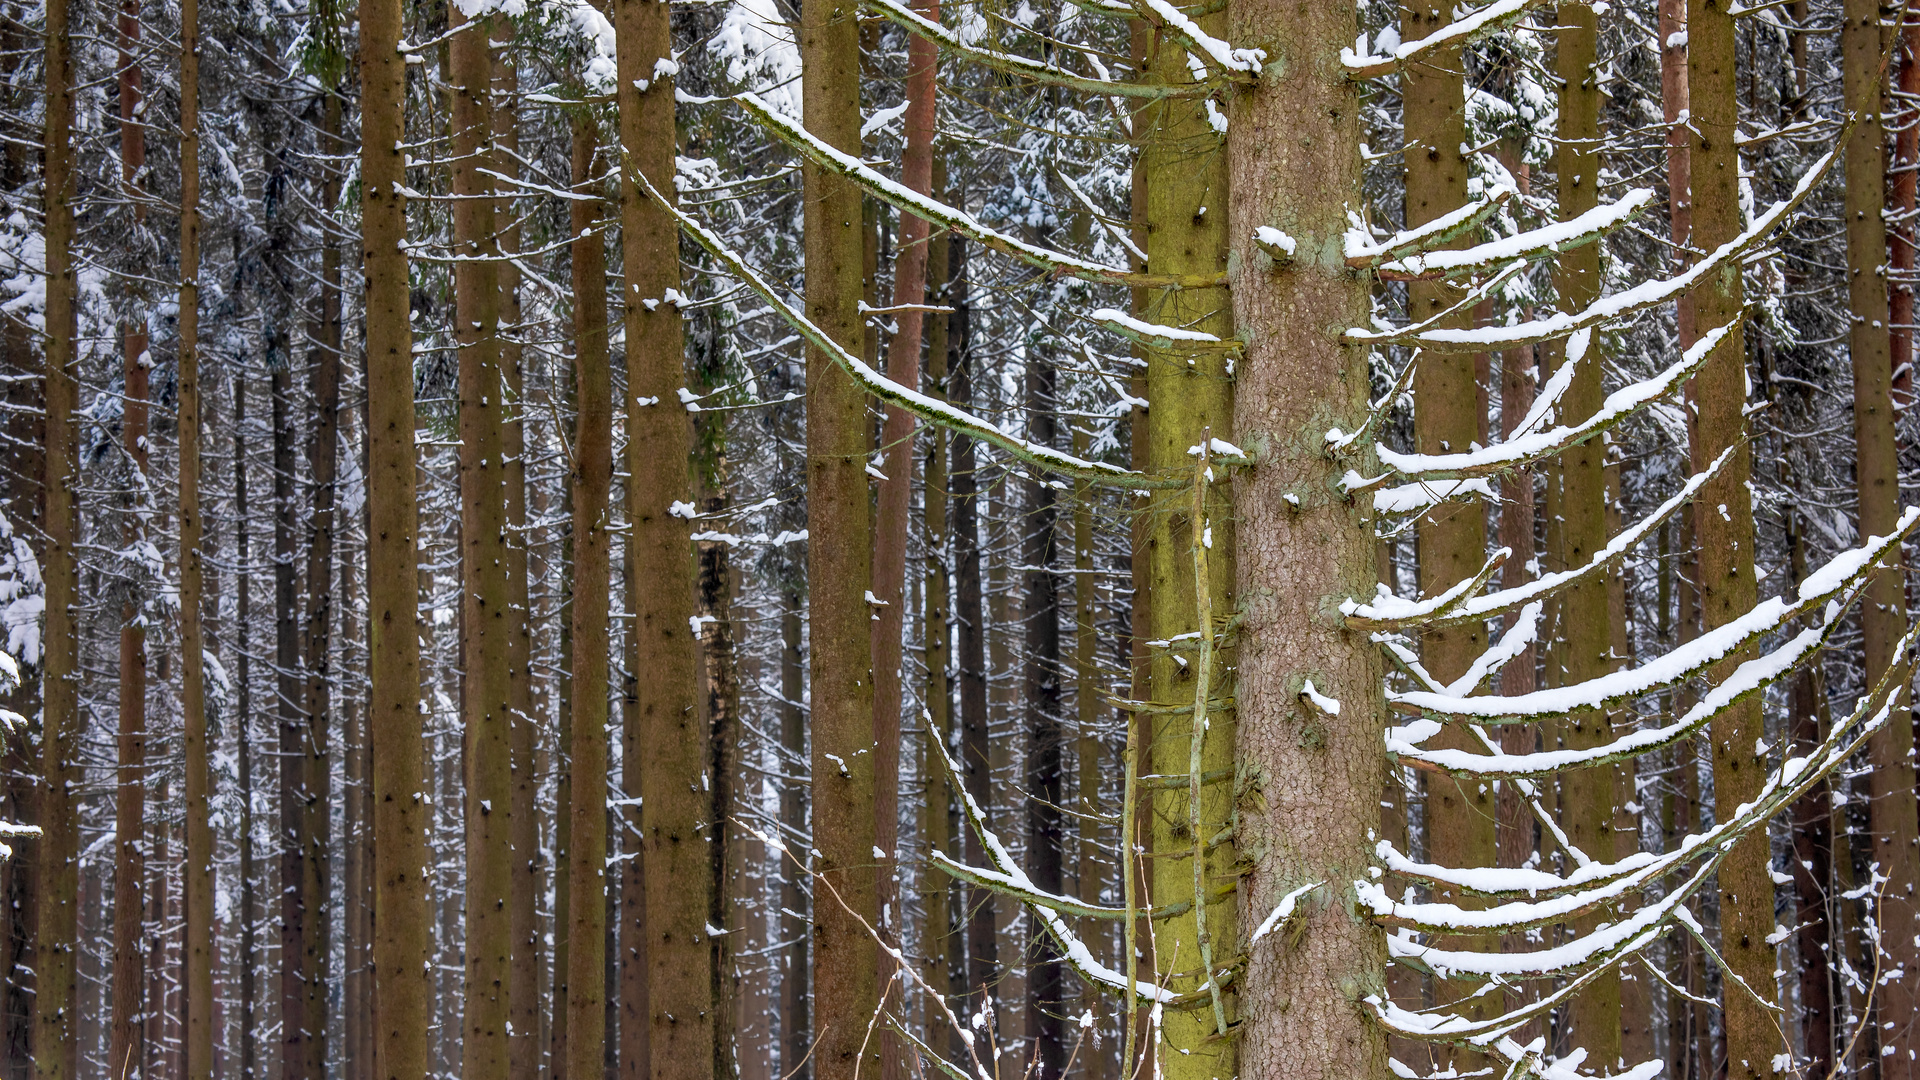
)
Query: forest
[{"x": 959, "y": 539}]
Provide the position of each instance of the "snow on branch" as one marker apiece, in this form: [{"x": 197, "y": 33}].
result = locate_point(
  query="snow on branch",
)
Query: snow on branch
[
  {"x": 932, "y": 410},
  {"x": 1387, "y": 609},
  {"x": 1223, "y": 60},
  {"x": 1382, "y": 616},
  {"x": 1156, "y": 336},
  {"x": 1533, "y": 245},
  {"x": 1495, "y": 16},
  {"x": 1363, "y": 253},
  {"x": 1609, "y": 308},
  {"x": 1822, "y": 587},
  {"x": 1527, "y": 449},
  {"x": 1057, "y": 263},
  {"x": 1026, "y": 68}
]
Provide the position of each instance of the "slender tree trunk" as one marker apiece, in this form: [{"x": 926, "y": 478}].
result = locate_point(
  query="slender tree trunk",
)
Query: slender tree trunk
[
  {"x": 839, "y": 570},
  {"x": 969, "y": 612},
  {"x": 796, "y": 1038},
  {"x": 323, "y": 466},
  {"x": 1186, "y": 166},
  {"x": 197, "y": 755},
  {"x": 1812, "y": 852},
  {"x": 56, "y": 1004},
  {"x": 942, "y": 947},
  {"x": 487, "y": 618},
  {"x": 592, "y": 483},
  {"x": 1089, "y": 703},
  {"x": 1723, "y": 523},
  {"x": 893, "y": 505},
  {"x": 1585, "y": 626},
  {"x": 1892, "y": 812},
  {"x": 402, "y": 976},
  {"x": 1321, "y": 794},
  {"x": 1901, "y": 179},
  {"x": 126, "y": 1050},
  {"x": 722, "y": 708},
  {"x": 296, "y": 902},
  {"x": 523, "y": 994},
  {"x": 243, "y": 717},
  {"x": 1041, "y": 702},
  {"x": 682, "y": 1030}
]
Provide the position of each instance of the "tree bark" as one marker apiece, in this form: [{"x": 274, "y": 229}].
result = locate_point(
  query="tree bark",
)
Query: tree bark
[
  {"x": 1901, "y": 179},
  {"x": 487, "y": 625},
  {"x": 243, "y": 725},
  {"x": 402, "y": 976},
  {"x": 1041, "y": 703},
  {"x": 592, "y": 483},
  {"x": 942, "y": 947},
  {"x": 1723, "y": 523},
  {"x": 839, "y": 570},
  {"x": 1295, "y": 165}
]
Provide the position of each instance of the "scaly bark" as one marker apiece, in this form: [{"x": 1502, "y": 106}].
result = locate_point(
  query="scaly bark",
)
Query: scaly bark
[
  {"x": 1723, "y": 524},
  {"x": 839, "y": 570},
  {"x": 1186, "y": 167},
  {"x": 486, "y": 618},
  {"x": 1313, "y": 781},
  {"x": 402, "y": 977},
  {"x": 56, "y": 1002}
]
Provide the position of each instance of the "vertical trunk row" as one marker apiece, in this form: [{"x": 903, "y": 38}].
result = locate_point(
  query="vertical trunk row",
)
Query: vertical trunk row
[
  {"x": 1585, "y": 629},
  {"x": 1295, "y": 166},
  {"x": 673, "y": 990},
  {"x": 1723, "y": 524},
  {"x": 592, "y": 484},
  {"x": 126, "y": 1052},
  {"x": 1186, "y": 168},
  {"x": 1892, "y": 812},
  {"x": 402, "y": 978},
  {"x": 54, "y": 1043},
  {"x": 839, "y": 570},
  {"x": 487, "y": 619},
  {"x": 197, "y": 880}
]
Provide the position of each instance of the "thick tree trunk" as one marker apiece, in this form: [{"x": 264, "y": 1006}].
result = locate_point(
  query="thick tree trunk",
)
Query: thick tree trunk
[
  {"x": 126, "y": 1049},
  {"x": 402, "y": 976},
  {"x": 592, "y": 484},
  {"x": 1186, "y": 167},
  {"x": 839, "y": 570},
  {"x": 1295, "y": 165},
  {"x": 1723, "y": 523},
  {"x": 487, "y": 619},
  {"x": 1892, "y": 811},
  {"x": 56, "y": 1005}
]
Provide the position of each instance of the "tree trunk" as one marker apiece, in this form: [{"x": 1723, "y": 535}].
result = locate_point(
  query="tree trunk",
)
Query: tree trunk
[
  {"x": 839, "y": 570},
  {"x": 1321, "y": 775},
  {"x": 1892, "y": 811},
  {"x": 403, "y": 980},
  {"x": 1723, "y": 522},
  {"x": 894, "y": 503},
  {"x": 1186, "y": 166},
  {"x": 523, "y": 992},
  {"x": 1044, "y": 788},
  {"x": 243, "y": 724},
  {"x": 56, "y": 1006},
  {"x": 487, "y": 625},
  {"x": 1812, "y": 851},
  {"x": 126, "y": 1052},
  {"x": 1902, "y": 180},
  {"x": 1089, "y": 699},
  {"x": 297, "y": 903},
  {"x": 592, "y": 483},
  {"x": 941, "y": 946},
  {"x": 796, "y": 1041}
]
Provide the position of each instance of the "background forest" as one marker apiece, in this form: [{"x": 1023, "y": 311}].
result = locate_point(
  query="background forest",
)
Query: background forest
[{"x": 1080, "y": 538}]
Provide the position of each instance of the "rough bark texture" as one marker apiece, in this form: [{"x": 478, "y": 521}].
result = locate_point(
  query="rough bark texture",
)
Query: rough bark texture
[
  {"x": 1313, "y": 782},
  {"x": 839, "y": 570},
  {"x": 55, "y": 1025},
  {"x": 486, "y": 616},
  {"x": 1723, "y": 524},
  {"x": 592, "y": 486},
  {"x": 1185, "y": 166},
  {"x": 1892, "y": 811},
  {"x": 402, "y": 978},
  {"x": 1585, "y": 627}
]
